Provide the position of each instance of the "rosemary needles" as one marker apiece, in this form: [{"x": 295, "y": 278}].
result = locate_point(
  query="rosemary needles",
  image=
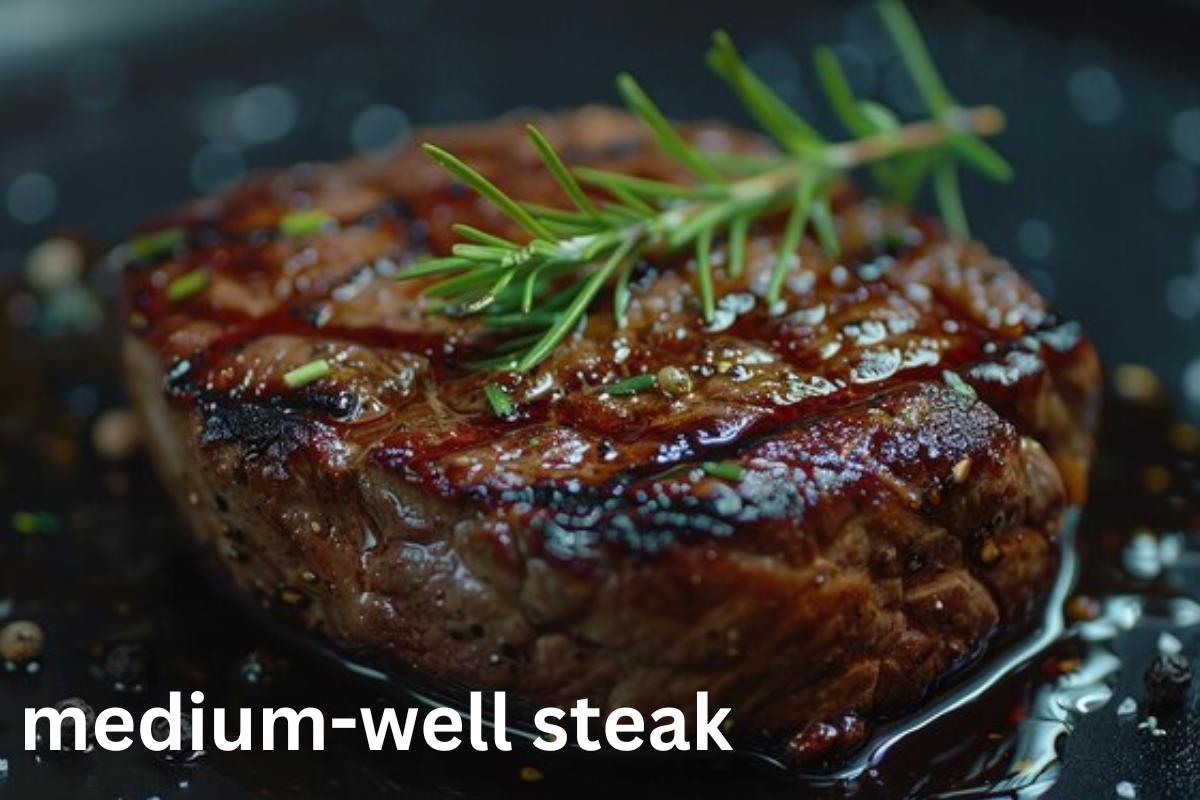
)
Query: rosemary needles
[{"x": 539, "y": 289}]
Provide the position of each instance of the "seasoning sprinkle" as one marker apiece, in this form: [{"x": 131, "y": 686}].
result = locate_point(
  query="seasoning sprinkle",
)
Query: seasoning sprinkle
[
  {"x": 187, "y": 285},
  {"x": 307, "y": 373},
  {"x": 156, "y": 245},
  {"x": 632, "y": 385},
  {"x": 726, "y": 470},
  {"x": 502, "y": 404},
  {"x": 304, "y": 223}
]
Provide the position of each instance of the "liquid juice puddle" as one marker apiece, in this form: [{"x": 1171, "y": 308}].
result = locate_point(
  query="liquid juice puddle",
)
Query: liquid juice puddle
[{"x": 1058, "y": 713}]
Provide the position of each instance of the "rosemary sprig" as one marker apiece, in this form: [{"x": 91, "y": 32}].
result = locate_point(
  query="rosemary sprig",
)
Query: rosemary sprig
[{"x": 541, "y": 287}]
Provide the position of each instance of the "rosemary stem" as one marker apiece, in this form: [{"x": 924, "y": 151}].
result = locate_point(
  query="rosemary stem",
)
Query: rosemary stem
[
  {"x": 980, "y": 121},
  {"x": 779, "y": 184},
  {"x": 515, "y": 283}
]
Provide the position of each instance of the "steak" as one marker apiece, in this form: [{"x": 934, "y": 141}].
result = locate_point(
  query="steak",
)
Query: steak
[{"x": 897, "y": 446}]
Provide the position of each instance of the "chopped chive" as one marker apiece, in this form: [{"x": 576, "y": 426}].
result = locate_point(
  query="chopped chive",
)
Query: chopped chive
[
  {"x": 635, "y": 384},
  {"x": 726, "y": 470},
  {"x": 307, "y": 222},
  {"x": 152, "y": 246},
  {"x": 306, "y": 373},
  {"x": 502, "y": 405},
  {"x": 29, "y": 523},
  {"x": 187, "y": 285}
]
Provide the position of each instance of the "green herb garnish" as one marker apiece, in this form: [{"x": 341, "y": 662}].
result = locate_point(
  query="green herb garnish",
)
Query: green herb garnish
[
  {"x": 187, "y": 285},
  {"x": 156, "y": 245},
  {"x": 29, "y": 523},
  {"x": 726, "y": 470},
  {"x": 633, "y": 385},
  {"x": 955, "y": 381},
  {"x": 307, "y": 373},
  {"x": 308, "y": 222},
  {"x": 577, "y": 253},
  {"x": 502, "y": 405}
]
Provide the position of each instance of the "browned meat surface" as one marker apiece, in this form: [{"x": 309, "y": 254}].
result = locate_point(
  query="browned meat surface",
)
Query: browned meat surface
[{"x": 888, "y": 526}]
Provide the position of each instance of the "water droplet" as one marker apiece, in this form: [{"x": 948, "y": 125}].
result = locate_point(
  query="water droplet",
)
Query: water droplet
[
  {"x": 1191, "y": 380},
  {"x": 32, "y": 198},
  {"x": 264, "y": 113},
  {"x": 1184, "y": 133},
  {"x": 1169, "y": 644},
  {"x": 1175, "y": 185},
  {"x": 215, "y": 166},
  {"x": 1035, "y": 238},
  {"x": 1095, "y": 94},
  {"x": 379, "y": 128},
  {"x": 1183, "y": 296},
  {"x": 98, "y": 80}
]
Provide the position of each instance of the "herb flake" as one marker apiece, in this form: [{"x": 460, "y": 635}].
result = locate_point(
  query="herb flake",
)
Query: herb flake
[
  {"x": 307, "y": 373},
  {"x": 308, "y": 222},
  {"x": 726, "y": 470},
  {"x": 187, "y": 285}
]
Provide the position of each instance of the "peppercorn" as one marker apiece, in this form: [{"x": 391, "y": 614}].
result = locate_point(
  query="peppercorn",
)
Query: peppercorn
[
  {"x": 21, "y": 641},
  {"x": 1167, "y": 679}
]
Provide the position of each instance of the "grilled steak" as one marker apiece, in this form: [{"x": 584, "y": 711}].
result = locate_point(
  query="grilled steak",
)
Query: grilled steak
[{"x": 908, "y": 430}]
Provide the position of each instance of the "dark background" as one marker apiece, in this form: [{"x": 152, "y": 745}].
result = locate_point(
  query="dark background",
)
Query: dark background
[{"x": 122, "y": 108}]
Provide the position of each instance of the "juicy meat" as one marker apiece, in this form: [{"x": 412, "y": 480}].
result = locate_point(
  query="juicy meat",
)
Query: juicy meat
[{"x": 910, "y": 428}]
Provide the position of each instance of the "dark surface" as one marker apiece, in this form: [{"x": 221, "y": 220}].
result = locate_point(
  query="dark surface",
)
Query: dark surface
[{"x": 124, "y": 148}]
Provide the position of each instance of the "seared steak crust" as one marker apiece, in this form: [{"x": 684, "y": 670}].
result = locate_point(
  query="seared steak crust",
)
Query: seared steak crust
[{"x": 910, "y": 427}]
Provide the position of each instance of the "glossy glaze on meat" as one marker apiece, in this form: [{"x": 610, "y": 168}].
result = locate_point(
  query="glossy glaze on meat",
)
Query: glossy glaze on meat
[{"x": 891, "y": 521}]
